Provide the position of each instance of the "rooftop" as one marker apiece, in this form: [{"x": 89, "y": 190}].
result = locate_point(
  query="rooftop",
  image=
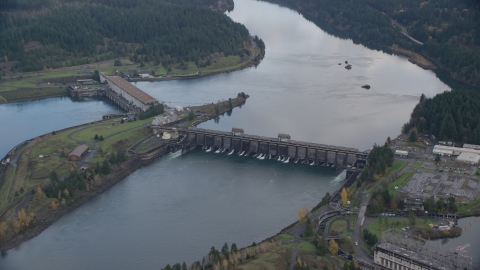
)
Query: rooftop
[
  {"x": 470, "y": 157},
  {"x": 79, "y": 150},
  {"x": 132, "y": 90}
]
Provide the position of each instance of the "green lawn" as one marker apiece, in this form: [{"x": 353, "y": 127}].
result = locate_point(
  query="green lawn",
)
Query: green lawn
[
  {"x": 417, "y": 166},
  {"x": 284, "y": 237},
  {"x": 397, "y": 165},
  {"x": 400, "y": 182},
  {"x": 106, "y": 129},
  {"x": 469, "y": 206},
  {"x": 307, "y": 246},
  {"x": 340, "y": 225},
  {"x": 400, "y": 222},
  {"x": 7, "y": 186}
]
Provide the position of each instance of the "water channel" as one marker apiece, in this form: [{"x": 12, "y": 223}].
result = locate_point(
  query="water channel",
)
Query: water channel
[{"x": 177, "y": 208}]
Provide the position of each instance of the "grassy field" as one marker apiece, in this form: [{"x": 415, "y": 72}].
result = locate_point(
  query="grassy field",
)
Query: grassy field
[
  {"x": 33, "y": 170},
  {"x": 469, "y": 206},
  {"x": 7, "y": 185},
  {"x": 347, "y": 245},
  {"x": 307, "y": 246},
  {"x": 23, "y": 93},
  {"x": 417, "y": 166},
  {"x": 277, "y": 258},
  {"x": 374, "y": 226},
  {"x": 219, "y": 63},
  {"x": 400, "y": 182},
  {"x": 397, "y": 165},
  {"x": 284, "y": 237}
]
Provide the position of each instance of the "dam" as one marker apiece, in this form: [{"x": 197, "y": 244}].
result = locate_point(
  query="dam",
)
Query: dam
[{"x": 282, "y": 148}]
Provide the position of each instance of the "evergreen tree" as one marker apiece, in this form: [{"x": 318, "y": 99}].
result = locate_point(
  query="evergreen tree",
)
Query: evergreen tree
[
  {"x": 413, "y": 137},
  {"x": 106, "y": 167}
]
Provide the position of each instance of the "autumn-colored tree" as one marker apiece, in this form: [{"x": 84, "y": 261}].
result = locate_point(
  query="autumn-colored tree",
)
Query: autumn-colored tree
[
  {"x": 54, "y": 205},
  {"x": 333, "y": 247},
  {"x": 344, "y": 196},
  {"x": 301, "y": 214},
  {"x": 17, "y": 226},
  {"x": 22, "y": 216},
  {"x": 3, "y": 228}
]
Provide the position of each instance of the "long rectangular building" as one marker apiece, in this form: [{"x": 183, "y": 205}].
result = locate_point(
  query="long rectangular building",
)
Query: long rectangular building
[
  {"x": 131, "y": 93},
  {"x": 391, "y": 256},
  {"x": 454, "y": 151}
]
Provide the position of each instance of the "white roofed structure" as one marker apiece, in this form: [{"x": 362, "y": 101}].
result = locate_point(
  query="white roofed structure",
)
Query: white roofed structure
[
  {"x": 468, "y": 158},
  {"x": 455, "y": 151},
  {"x": 471, "y": 146},
  {"x": 401, "y": 153}
]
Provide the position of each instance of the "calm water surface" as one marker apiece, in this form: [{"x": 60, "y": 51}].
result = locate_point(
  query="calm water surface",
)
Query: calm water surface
[
  {"x": 177, "y": 208},
  {"x": 24, "y": 120},
  {"x": 470, "y": 236},
  {"x": 300, "y": 89}
]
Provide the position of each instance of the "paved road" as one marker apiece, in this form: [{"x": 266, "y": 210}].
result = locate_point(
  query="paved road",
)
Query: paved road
[
  {"x": 298, "y": 230},
  {"x": 357, "y": 232}
]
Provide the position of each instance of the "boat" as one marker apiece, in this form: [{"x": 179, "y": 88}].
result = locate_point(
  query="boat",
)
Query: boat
[
  {"x": 296, "y": 161},
  {"x": 348, "y": 66},
  {"x": 262, "y": 157},
  {"x": 209, "y": 149},
  {"x": 218, "y": 150},
  {"x": 241, "y": 154},
  {"x": 366, "y": 86},
  {"x": 269, "y": 156},
  {"x": 278, "y": 159},
  {"x": 231, "y": 152},
  {"x": 313, "y": 163},
  {"x": 224, "y": 149},
  {"x": 286, "y": 160}
]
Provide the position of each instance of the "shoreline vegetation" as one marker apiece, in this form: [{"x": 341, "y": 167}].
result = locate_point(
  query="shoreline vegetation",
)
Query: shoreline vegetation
[
  {"x": 41, "y": 56},
  {"x": 44, "y": 198},
  {"x": 39, "y": 85}
]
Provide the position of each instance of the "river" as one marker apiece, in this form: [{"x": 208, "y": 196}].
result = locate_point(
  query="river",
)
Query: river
[{"x": 177, "y": 208}]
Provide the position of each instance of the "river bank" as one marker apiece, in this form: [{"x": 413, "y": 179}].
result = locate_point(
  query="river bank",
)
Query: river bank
[
  {"x": 39, "y": 85},
  {"x": 47, "y": 217},
  {"x": 45, "y": 213}
]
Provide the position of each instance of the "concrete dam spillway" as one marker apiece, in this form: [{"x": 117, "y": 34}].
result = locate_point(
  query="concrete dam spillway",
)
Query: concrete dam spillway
[{"x": 281, "y": 148}]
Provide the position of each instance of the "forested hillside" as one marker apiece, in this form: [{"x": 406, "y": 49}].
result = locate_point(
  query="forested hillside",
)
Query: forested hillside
[
  {"x": 449, "y": 29},
  {"x": 451, "y": 115},
  {"x": 55, "y": 33}
]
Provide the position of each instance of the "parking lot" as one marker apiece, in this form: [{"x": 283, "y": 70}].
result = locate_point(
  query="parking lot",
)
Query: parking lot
[{"x": 425, "y": 184}]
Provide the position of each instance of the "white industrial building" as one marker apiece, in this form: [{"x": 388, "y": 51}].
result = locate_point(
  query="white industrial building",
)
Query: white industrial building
[
  {"x": 454, "y": 151},
  {"x": 179, "y": 108},
  {"x": 401, "y": 153},
  {"x": 471, "y": 146},
  {"x": 468, "y": 158},
  {"x": 465, "y": 155}
]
